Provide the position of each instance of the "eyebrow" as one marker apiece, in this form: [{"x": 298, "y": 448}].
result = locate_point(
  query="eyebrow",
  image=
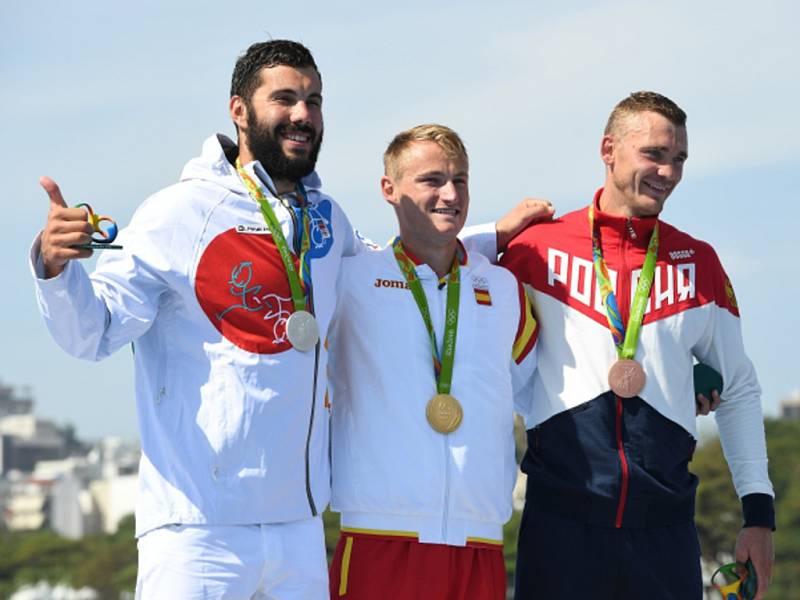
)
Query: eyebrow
[
  {"x": 293, "y": 92},
  {"x": 681, "y": 154},
  {"x": 441, "y": 174}
]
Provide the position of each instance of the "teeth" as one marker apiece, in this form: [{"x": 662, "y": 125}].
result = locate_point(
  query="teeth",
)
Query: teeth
[
  {"x": 296, "y": 137},
  {"x": 445, "y": 211},
  {"x": 658, "y": 188}
]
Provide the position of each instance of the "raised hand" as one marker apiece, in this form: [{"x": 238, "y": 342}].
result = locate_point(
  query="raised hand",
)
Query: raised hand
[
  {"x": 65, "y": 228},
  {"x": 528, "y": 211}
]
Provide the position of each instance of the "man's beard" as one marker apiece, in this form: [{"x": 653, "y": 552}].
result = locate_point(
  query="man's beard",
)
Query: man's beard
[{"x": 265, "y": 146}]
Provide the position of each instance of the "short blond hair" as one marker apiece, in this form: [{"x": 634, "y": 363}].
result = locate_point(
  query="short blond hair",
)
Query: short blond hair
[
  {"x": 447, "y": 139},
  {"x": 639, "y": 102}
]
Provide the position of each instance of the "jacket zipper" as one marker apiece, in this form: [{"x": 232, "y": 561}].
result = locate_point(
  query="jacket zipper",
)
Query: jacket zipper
[
  {"x": 446, "y": 510},
  {"x": 623, "y": 493},
  {"x": 297, "y": 232},
  {"x": 625, "y": 289},
  {"x": 439, "y": 291},
  {"x": 311, "y": 504}
]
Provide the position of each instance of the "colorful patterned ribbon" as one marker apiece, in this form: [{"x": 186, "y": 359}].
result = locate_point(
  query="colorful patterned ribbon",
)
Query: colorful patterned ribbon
[
  {"x": 625, "y": 338},
  {"x": 442, "y": 362},
  {"x": 301, "y": 287}
]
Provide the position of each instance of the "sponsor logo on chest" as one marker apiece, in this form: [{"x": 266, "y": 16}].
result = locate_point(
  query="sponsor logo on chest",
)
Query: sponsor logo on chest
[
  {"x": 575, "y": 275},
  {"x": 250, "y": 228},
  {"x": 391, "y": 283}
]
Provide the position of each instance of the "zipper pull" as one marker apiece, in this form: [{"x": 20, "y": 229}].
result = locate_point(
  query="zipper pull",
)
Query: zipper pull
[{"x": 631, "y": 230}]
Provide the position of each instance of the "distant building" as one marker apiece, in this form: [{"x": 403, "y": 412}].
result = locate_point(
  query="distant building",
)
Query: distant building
[
  {"x": 48, "y": 478},
  {"x": 25, "y": 440},
  {"x": 114, "y": 499},
  {"x": 790, "y": 406},
  {"x": 12, "y": 404},
  {"x": 27, "y": 506}
]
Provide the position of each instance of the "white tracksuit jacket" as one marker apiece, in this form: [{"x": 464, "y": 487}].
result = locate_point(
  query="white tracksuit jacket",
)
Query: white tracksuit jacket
[
  {"x": 232, "y": 422},
  {"x": 392, "y": 473},
  {"x": 232, "y": 419}
]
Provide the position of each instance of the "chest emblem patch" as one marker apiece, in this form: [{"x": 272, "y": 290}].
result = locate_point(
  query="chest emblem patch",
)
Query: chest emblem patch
[
  {"x": 480, "y": 286},
  {"x": 242, "y": 288}
]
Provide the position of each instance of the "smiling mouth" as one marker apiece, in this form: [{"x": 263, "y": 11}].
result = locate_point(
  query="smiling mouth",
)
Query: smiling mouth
[
  {"x": 296, "y": 136},
  {"x": 660, "y": 189},
  {"x": 453, "y": 212}
]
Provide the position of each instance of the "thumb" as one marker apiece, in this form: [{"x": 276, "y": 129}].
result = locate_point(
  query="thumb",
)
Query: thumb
[{"x": 51, "y": 187}]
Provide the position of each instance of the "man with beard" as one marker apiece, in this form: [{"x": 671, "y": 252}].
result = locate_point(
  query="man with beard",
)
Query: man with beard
[
  {"x": 226, "y": 285},
  {"x": 233, "y": 473}
]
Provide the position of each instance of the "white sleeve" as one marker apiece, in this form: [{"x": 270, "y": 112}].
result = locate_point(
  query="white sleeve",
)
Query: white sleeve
[
  {"x": 522, "y": 383},
  {"x": 91, "y": 317},
  {"x": 355, "y": 242},
  {"x": 739, "y": 416},
  {"x": 524, "y": 357},
  {"x": 481, "y": 239}
]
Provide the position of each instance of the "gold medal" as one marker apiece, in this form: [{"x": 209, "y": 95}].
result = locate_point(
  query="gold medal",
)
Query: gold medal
[
  {"x": 626, "y": 378},
  {"x": 444, "y": 413}
]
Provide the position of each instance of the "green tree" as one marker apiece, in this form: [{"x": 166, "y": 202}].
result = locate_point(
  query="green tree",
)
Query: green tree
[
  {"x": 106, "y": 563},
  {"x": 719, "y": 510}
]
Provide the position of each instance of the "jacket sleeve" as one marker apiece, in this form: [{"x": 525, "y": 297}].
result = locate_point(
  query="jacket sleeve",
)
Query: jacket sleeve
[
  {"x": 739, "y": 417},
  {"x": 481, "y": 239},
  {"x": 354, "y": 241},
  {"x": 523, "y": 357},
  {"x": 92, "y": 316}
]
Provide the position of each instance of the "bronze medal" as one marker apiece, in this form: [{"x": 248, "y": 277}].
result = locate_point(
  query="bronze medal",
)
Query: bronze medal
[
  {"x": 302, "y": 330},
  {"x": 444, "y": 413},
  {"x": 626, "y": 378}
]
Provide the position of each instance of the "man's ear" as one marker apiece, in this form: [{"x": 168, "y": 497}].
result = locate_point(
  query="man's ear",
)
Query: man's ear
[
  {"x": 607, "y": 149},
  {"x": 238, "y": 111},
  {"x": 387, "y": 189}
]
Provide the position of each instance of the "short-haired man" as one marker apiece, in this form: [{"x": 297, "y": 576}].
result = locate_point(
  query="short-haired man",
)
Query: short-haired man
[
  {"x": 233, "y": 428},
  {"x": 629, "y": 301},
  {"x": 226, "y": 284},
  {"x": 425, "y": 343}
]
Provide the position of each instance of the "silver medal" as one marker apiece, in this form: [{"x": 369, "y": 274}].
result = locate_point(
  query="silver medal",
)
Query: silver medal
[{"x": 302, "y": 330}]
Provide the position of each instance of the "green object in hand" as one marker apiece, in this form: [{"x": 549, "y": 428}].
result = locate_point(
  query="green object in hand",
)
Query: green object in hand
[
  {"x": 736, "y": 581},
  {"x": 705, "y": 380}
]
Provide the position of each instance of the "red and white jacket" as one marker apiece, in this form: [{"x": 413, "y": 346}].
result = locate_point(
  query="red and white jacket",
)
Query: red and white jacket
[{"x": 691, "y": 314}]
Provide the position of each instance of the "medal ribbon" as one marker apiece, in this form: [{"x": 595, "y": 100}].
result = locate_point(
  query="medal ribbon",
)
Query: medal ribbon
[
  {"x": 303, "y": 217},
  {"x": 442, "y": 363},
  {"x": 625, "y": 339},
  {"x": 297, "y": 284}
]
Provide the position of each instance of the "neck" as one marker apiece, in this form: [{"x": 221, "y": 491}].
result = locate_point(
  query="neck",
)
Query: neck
[
  {"x": 437, "y": 257},
  {"x": 609, "y": 204},
  {"x": 284, "y": 186}
]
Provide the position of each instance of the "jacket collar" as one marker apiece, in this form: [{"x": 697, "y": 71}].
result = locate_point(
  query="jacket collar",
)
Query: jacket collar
[{"x": 636, "y": 229}]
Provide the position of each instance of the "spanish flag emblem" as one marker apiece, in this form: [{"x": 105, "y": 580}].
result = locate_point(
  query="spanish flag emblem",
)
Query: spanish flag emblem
[{"x": 482, "y": 296}]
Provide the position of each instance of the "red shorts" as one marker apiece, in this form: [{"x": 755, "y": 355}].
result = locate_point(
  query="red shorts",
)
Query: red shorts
[{"x": 369, "y": 566}]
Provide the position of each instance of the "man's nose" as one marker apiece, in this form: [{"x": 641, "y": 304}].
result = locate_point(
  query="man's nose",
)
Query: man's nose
[
  {"x": 668, "y": 171},
  {"x": 300, "y": 112},
  {"x": 448, "y": 192}
]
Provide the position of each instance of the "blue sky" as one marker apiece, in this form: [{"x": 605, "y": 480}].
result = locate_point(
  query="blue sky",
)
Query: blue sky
[{"x": 112, "y": 99}]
